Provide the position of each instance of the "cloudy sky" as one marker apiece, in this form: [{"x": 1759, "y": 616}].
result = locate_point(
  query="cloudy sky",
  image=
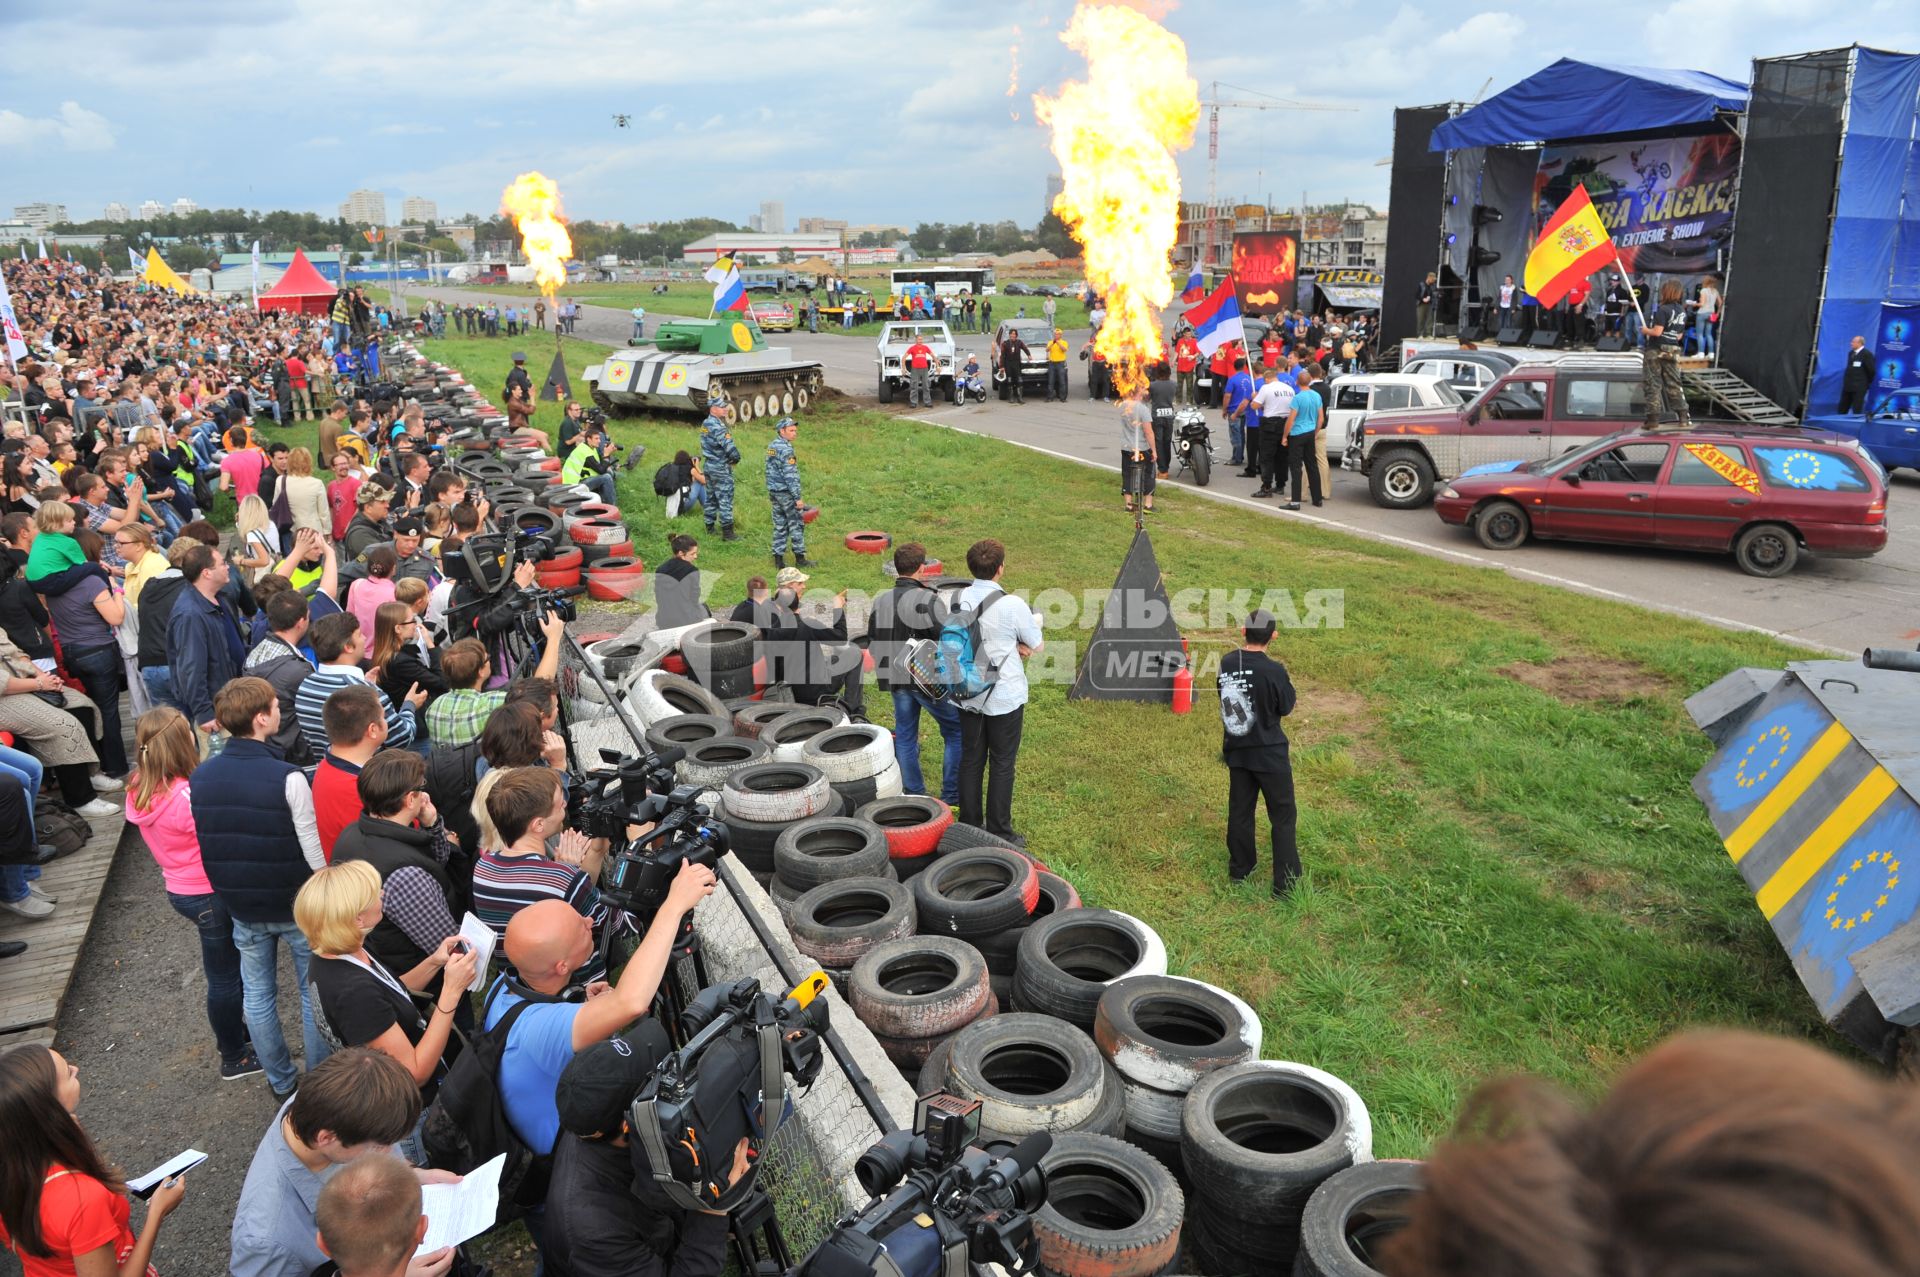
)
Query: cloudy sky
[{"x": 870, "y": 110}]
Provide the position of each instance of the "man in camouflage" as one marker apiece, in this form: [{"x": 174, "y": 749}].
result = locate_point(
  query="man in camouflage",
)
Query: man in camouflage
[
  {"x": 1660, "y": 365},
  {"x": 783, "y": 490},
  {"x": 719, "y": 454}
]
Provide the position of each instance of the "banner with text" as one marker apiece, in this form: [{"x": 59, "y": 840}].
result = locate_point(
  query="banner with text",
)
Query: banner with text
[
  {"x": 1265, "y": 264},
  {"x": 1896, "y": 349},
  {"x": 1667, "y": 203}
]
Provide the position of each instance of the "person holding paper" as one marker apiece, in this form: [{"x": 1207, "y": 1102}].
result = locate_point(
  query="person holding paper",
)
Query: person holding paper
[
  {"x": 369, "y": 1218},
  {"x": 360, "y": 1002},
  {"x": 63, "y": 1207}
]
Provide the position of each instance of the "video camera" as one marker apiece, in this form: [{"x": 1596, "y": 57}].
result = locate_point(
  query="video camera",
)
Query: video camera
[
  {"x": 642, "y": 791},
  {"x": 727, "y": 1083},
  {"x": 940, "y": 1201}
]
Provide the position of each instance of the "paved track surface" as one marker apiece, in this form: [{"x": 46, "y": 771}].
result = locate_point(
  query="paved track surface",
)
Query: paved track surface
[{"x": 1838, "y": 604}]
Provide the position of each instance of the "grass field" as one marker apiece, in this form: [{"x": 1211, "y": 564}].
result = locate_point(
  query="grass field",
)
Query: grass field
[{"x": 1506, "y": 867}]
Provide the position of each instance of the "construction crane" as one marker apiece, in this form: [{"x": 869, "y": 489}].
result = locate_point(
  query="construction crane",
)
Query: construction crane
[{"x": 1215, "y": 105}]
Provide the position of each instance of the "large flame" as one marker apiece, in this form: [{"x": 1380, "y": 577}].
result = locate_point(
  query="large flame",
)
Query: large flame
[
  {"x": 1115, "y": 135},
  {"x": 533, "y": 201}
]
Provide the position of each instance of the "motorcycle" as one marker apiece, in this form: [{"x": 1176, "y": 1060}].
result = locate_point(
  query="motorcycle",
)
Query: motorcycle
[
  {"x": 969, "y": 386},
  {"x": 1193, "y": 444}
]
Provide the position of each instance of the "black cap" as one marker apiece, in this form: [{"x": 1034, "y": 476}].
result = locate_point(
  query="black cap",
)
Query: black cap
[
  {"x": 519, "y": 356},
  {"x": 409, "y": 526},
  {"x": 600, "y": 1082}
]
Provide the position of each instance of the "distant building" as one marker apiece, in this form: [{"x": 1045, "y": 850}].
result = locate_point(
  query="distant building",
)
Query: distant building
[
  {"x": 184, "y": 206},
  {"x": 771, "y": 219},
  {"x": 14, "y": 231},
  {"x": 365, "y": 208},
  {"x": 820, "y": 225},
  {"x": 40, "y": 216},
  {"x": 757, "y": 246},
  {"x": 461, "y": 235},
  {"x": 885, "y": 230},
  {"x": 1331, "y": 236},
  {"x": 116, "y": 212},
  {"x": 1055, "y": 186},
  {"x": 416, "y": 209},
  {"x": 150, "y": 209}
]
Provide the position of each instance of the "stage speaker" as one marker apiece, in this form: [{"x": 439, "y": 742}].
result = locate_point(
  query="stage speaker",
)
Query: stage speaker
[
  {"x": 1511, "y": 336},
  {"x": 1544, "y": 339},
  {"x": 1611, "y": 344},
  {"x": 1472, "y": 332}
]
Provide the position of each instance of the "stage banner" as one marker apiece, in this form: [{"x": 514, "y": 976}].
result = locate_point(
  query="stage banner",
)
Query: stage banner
[
  {"x": 1265, "y": 264},
  {"x": 1667, "y": 203},
  {"x": 1896, "y": 349}
]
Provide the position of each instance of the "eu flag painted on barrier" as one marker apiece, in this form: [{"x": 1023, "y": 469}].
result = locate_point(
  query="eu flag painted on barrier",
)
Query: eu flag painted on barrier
[
  {"x": 1869, "y": 889},
  {"x": 1770, "y": 745},
  {"x": 1809, "y": 471}
]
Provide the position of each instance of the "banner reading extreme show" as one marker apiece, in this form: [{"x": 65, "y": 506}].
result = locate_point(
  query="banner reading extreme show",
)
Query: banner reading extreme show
[{"x": 1667, "y": 203}]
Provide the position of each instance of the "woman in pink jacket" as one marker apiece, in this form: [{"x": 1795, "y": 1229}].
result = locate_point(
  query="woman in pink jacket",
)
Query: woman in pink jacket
[{"x": 158, "y": 802}]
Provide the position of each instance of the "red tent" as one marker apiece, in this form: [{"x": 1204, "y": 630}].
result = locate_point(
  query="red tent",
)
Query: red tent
[{"x": 301, "y": 289}]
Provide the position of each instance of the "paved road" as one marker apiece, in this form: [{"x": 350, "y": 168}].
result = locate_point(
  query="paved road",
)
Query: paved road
[{"x": 1843, "y": 605}]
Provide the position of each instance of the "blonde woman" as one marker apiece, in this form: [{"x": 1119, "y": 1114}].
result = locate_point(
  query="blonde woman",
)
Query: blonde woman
[
  {"x": 306, "y": 494},
  {"x": 144, "y": 561},
  {"x": 256, "y": 540},
  {"x": 357, "y": 1001}
]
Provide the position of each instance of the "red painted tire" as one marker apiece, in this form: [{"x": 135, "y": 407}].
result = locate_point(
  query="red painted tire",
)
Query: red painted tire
[
  {"x": 562, "y": 580},
  {"x": 598, "y": 531},
  {"x": 912, "y": 823},
  {"x": 869, "y": 542},
  {"x": 597, "y": 636},
  {"x": 612, "y": 589},
  {"x": 550, "y": 463},
  {"x": 592, "y": 510},
  {"x": 674, "y": 663},
  {"x": 592, "y": 554},
  {"x": 620, "y": 566},
  {"x": 564, "y": 559},
  {"x": 808, "y": 513},
  {"x": 933, "y": 567}
]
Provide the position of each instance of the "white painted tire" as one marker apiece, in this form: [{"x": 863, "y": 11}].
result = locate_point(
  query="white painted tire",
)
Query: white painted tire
[
  {"x": 854, "y": 751},
  {"x": 776, "y": 793},
  {"x": 1153, "y": 951},
  {"x": 660, "y": 694}
]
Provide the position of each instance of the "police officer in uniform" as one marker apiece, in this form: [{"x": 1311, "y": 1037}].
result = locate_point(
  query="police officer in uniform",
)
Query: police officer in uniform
[
  {"x": 719, "y": 454},
  {"x": 1660, "y": 365},
  {"x": 1858, "y": 377},
  {"x": 519, "y": 392},
  {"x": 783, "y": 490}
]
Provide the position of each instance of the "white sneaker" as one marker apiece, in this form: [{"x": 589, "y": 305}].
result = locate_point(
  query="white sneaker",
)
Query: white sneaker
[
  {"x": 101, "y": 807},
  {"x": 33, "y": 889},
  {"x": 27, "y": 907},
  {"x": 103, "y": 784}
]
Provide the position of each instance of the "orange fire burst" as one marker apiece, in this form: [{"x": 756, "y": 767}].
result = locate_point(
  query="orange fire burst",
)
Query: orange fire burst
[
  {"x": 533, "y": 201},
  {"x": 1115, "y": 135}
]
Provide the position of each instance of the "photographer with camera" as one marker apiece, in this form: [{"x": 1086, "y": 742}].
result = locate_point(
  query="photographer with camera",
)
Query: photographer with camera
[
  {"x": 586, "y": 463},
  {"x": 603, "y": 1221}
]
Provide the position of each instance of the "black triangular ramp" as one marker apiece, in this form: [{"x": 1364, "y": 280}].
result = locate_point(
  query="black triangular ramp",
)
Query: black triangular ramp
[
  {"x": 557, "y": 387},
  {"x": 1136, "y": 648}
]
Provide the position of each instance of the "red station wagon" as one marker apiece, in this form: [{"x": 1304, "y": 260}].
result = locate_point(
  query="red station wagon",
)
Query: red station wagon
[{"x": 1766, "y": 495}]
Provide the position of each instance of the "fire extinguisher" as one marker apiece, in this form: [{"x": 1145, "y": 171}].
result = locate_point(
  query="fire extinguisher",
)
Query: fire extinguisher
[{"x": 1183, "y": 682}]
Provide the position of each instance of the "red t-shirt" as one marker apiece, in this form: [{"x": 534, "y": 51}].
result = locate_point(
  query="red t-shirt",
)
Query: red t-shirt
[
  {"x": 919, "y": 355},
  {"x": 297, "y": 373},
  {"x": 78, "y": 1214},
  {"x": 343, "y": 496},
  {"x": 245, "y": 466},
  {"x": 1186, "y": 353},
  {"x": 1272, "y": 350},
  {"x": 336, "y": 801}
]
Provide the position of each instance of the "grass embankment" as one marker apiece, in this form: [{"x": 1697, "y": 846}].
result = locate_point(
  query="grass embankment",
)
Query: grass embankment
[{"x": 1507, "y": 869}]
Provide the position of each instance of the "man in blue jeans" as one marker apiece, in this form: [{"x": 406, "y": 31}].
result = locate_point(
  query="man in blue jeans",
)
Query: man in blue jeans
[
  {"x": 259, "y": 841},
  {"x": 20, "y": 855},
  {"x": 912, "y": 610}
]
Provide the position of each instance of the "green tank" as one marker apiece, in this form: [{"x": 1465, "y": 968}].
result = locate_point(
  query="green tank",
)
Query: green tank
[{"x": 690, "y": 363}]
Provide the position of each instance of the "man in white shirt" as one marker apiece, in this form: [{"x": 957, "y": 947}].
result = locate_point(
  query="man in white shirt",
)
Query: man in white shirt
[
  {"x": 991, "y": 723},
  {"x": 1273, "y": 401}
]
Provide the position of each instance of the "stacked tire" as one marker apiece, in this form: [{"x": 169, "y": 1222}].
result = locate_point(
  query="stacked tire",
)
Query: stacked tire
[
  {"x": 758, "y": 802},
  {"x": 1066, "y": 961},
  {"x": 981, "y": 896},
  {"x": 750, "y": 717},
  {"x": 1108, "y": 1211},
  {"x": 708, "y": 763},
  {"x": 720, "y": 657},
  {"x": 914, "y": 825},
  {"x": 1162, "y": 1034},
  {"x": 660, "y": 694},
  {"x": 915, "y": 993},
  {"x": 1030, "y": 1073},
  {"x": 838, "y": 923},
  {"x": 1351, "y": 1216},
  {"x": 788, "y": 734},
  {"x": 858, "y": 761},
  {"x": 824, "y": 849},
  {"x": 1257, "y": 1140},
  {"x": 615, "y": 578}
]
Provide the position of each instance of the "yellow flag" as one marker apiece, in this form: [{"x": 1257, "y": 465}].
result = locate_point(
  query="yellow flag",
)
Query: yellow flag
[{"x": 1572, "y": 245}]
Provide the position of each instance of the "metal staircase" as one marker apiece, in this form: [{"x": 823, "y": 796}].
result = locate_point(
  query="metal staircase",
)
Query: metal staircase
[{"x": 1732, "y": 397}]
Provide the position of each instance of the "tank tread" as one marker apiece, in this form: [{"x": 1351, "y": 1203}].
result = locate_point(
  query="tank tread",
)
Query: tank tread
[
  {"x": 605, "y": 403},
  {"x": 771, "y": 394}
]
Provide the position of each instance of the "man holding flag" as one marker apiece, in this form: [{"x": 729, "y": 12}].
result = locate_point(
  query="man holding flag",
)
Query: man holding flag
[{"x": 1216, "y": 321}]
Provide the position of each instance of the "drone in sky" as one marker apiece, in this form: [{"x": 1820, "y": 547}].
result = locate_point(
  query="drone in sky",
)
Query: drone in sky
[{"x": 622, "y": 120}]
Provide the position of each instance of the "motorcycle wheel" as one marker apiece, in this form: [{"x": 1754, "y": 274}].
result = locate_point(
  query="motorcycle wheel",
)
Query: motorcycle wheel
[{"x": 1202, "y": 465}]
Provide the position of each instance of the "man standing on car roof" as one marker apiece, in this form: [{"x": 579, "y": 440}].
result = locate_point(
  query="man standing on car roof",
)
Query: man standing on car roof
[{"x": 1660, "y": 365}]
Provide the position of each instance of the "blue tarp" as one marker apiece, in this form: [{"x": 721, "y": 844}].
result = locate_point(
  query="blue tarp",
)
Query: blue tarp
[{"x": 1585, "y": 99}]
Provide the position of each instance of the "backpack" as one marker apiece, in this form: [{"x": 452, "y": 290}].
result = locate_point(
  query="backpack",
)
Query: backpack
[
  {"x": 948, "y": 667},
  {"x": 60, "y": 826},
  {"x": 666, "y": 480},
  {"x": 466, "y": 1126}
]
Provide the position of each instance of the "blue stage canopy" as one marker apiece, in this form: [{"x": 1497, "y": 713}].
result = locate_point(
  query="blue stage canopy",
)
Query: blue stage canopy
[{"x": 1585, "y": 99}]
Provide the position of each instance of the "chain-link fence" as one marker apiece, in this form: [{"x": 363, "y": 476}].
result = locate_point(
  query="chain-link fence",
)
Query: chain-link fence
[{"x": 859, "y": 1094}]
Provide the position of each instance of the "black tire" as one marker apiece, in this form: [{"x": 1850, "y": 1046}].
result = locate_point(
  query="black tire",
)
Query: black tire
[
  {"x": 933, "y": 1074},
  {"x": 789, "y": 733},
  {"x": 1202, "y": 466},
  {"x": 752, "y": 840},
  {"x": 959, "y": 837},
  {"x": 919, "y": 987},
  {"x": 708, "y": 763},
  {"x": 1352, "y": 1214},
  {"x": 785, "y": 896},
  {"x": 731, "y": 684},
  {"x": 1165, "y": 1152},
  {"x": 1502, "y": 525},
  {"x": 683, "y": 730},
  {"x": 1163, "y": 1034},
  {"x": 914, "y": 825},
  {"x": 838, "y": 923},
  {"x": 885, "y": 392},
  {"x": 1257, "y": 1139},
  {"x": 1401, "y": 478},
  {"x": 1056, "y": 896},
  {"x": 725, "y": 645},
  {"x": 1108, "y": 1210},
  {"x": 1001, "y": 949},
  {"x": 856, "y": 793},
  {"x": 1067, "y": 961},
  {"x": 825, "y": 848},
  {"x": 776, "y": 792},
  {"x": 976, "y": 893},
  {"x": 1767, "y": 550},
  {"x": 1033, "y": 1073},
  {"x": 752, "y": 718}
]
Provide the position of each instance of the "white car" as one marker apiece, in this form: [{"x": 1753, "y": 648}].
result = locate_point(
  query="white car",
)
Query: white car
[
  {"x": 894, "y": 341},
  {"x": 1358, "y": 394}
]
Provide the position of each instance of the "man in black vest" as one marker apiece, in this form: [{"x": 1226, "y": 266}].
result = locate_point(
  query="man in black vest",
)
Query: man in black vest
[
  {"x": 1855, "y": 382},
  {"x": 259, "y": 842},
  {"x": 1255, "y": 694},
  {"x": 912, "y": 610}
]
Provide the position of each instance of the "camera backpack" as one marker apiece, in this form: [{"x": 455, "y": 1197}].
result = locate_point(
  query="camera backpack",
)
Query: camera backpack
[
  {"x": 466, "y": 1126},
  {"x": 949, "y": 667}
]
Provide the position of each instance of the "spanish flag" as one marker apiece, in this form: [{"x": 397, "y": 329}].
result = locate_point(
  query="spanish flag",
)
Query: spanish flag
[{"x": 1572, "y": 245}]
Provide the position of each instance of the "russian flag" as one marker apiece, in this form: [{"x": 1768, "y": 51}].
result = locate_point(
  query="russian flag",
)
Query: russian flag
[
  {"x": 728, "y": 292},
  {"x": 1216, "y": 321},
  {"x": 1196, "y": 286}
]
